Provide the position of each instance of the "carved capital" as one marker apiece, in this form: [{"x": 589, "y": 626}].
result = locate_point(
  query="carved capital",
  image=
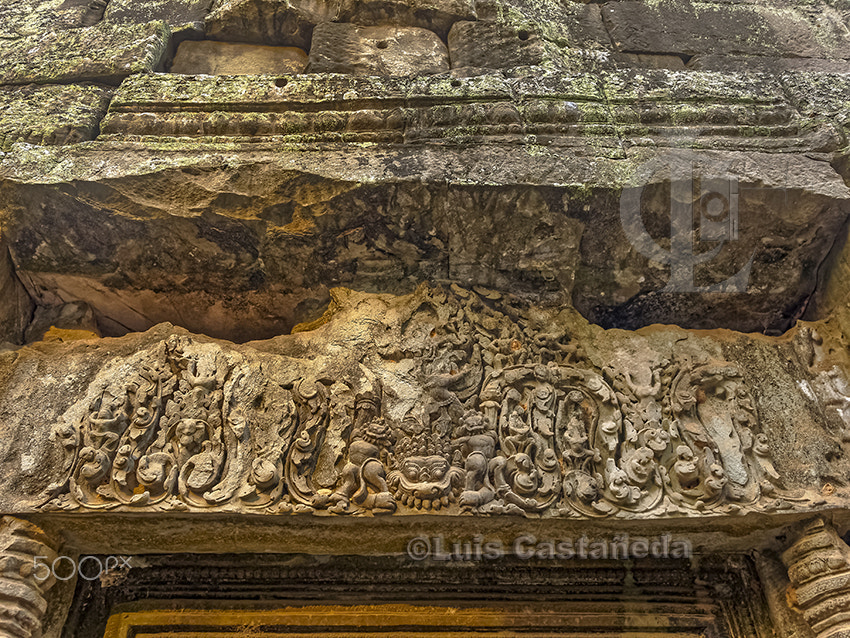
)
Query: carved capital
[
  {"x": 819, "y": 569},
  {"x": 25, "y": 555}
]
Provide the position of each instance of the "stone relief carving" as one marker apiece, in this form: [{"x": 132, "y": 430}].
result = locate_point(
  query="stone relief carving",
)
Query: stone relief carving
[
  {"x": 488, "y": 417},
  {"x": 819, "y": 570},
  {"x": 22, "y": 585}
]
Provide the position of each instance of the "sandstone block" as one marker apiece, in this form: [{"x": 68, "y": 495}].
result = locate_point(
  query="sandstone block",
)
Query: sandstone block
[
  {"x": 566, "y": 24},
  {"x": 728, "y": 29},
  {"x": 764, "y": 64},
  {"x": 18, "y": 19},
  {"x": 253, "y": 245},
  {"x": 273, "y": 22},
  {"x": 494, "y": 45},
  {"x": 383, "y": 354},
  {"x": 435, "y": 15},
  {"x": 225, "y": 58},
  {"x": 346, "y": 48},
  {"x": 819, "y": 94},
  {"x": 176, "y": 14},
  {"x": 52, "y": 114},
  {"x": 104, "y": 53}
]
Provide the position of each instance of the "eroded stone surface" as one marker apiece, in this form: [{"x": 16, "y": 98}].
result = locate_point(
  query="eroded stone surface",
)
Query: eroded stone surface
[
  {"x": 494, "y": 45},
  {"x": 104, "y": 53},
  {"x": 387, "y": 51},
  {"x": 294, "y": 222},
  {"x": 287, "y": 23},
  {"x": 565, "y": 24},
  {"x": 47, "y": 115},
  {"x": 486, "y": 406},
  {"x": 178, "y": 14},
  {"x": 17, "y": 307},
  {"x": 225, "y": 58},
  {"x": 19, "y": 19},
  {"x": 435, "y": 15},
  {"x": 730, "y": 29}
]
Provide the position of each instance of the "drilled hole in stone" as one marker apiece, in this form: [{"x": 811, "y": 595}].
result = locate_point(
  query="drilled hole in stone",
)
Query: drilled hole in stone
[
  {"x": 382, "y": 44},
  {"x": 281, "y": 83},
  {"x": 456, "y": 82},
  {"x": 523, "y": 35}
]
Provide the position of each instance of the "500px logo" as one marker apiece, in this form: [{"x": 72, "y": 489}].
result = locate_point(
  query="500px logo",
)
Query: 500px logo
[{"x": 87, "y": 567}]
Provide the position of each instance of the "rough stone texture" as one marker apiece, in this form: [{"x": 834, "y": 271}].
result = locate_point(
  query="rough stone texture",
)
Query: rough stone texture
[
  {"x": 387, "y": 51},
  {"x": 33, "y": 18},
  {"x": 47, "y": 115},
  {"x": 565, "y": 24},
  {"x": 224, "y": 58},
  {"x": 730, "y": 29},
  {"x": 297, "y": 231},
  {"x": 17, "y": 307},
  {"x": 286, "y": 23},
  {"x": 104, "y": 53},
  {"x": 386, "y": 220},
  {"x": 67, "y": 322},
  {"x": 455, "y": 383},
  {"x": 622, "y": 163},
  {"x": 494, "y": 45},
  {"x": 178, "y": 14},
  {"x": 435, "y": 15},
  {"x": 764, "y": 64}
]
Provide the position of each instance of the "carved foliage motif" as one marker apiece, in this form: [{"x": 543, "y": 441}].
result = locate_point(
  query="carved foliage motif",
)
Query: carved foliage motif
[{"x": 492, "y": 418}]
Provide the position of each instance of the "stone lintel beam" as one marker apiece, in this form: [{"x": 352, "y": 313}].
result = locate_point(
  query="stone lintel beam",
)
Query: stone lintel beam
[
  {"x": 441, "y": 403},
  {"x": 252, "y": 237}
]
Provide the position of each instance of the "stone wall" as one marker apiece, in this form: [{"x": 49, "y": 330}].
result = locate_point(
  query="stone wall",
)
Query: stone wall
[{"x": 287, "y": 268}]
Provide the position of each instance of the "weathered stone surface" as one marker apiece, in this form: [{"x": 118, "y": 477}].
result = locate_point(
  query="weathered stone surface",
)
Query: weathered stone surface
[
  {"x": 68, "y": 322},
  {"x": 565, "y": 24},
  {"x": 389, "y": 51},
  {"x": 225, "y": 58},
  {"x": 494, "y": 45},
  {"x": 722, "y": 110},
  {"x": 435, "y": 15},
  {"x": 19, "y": 19},
  {"x": 729, "y": 29},
  {"x": 672, "y": 62},
  {"x": 104, "y": 53},
  {"x": 274, "y": 22},
  {"x": 470, "y": 391},
  {"x": 294, "y": 222},
  {"x": 819, "y": 572},
  {"x": 177, "y": 14},
  {"x": 17, "y": 307},
  {"x": 764, "y": 64},
  {"x": 60, "y": 114},
  {"x": 823, "y": 95},
  {"x": 365, "y": 108},
  {"x": 23, "y": 588}
]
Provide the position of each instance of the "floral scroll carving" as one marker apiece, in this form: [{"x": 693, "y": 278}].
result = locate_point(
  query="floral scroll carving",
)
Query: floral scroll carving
[{"x": 490, "y": 417}]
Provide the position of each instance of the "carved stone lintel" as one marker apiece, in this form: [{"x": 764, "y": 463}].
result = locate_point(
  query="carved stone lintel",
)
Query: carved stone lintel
[
  {"x": 491, "y": 417},
  {"x": 25, "y": 556},
  {"x": 819, "y": 569}
]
